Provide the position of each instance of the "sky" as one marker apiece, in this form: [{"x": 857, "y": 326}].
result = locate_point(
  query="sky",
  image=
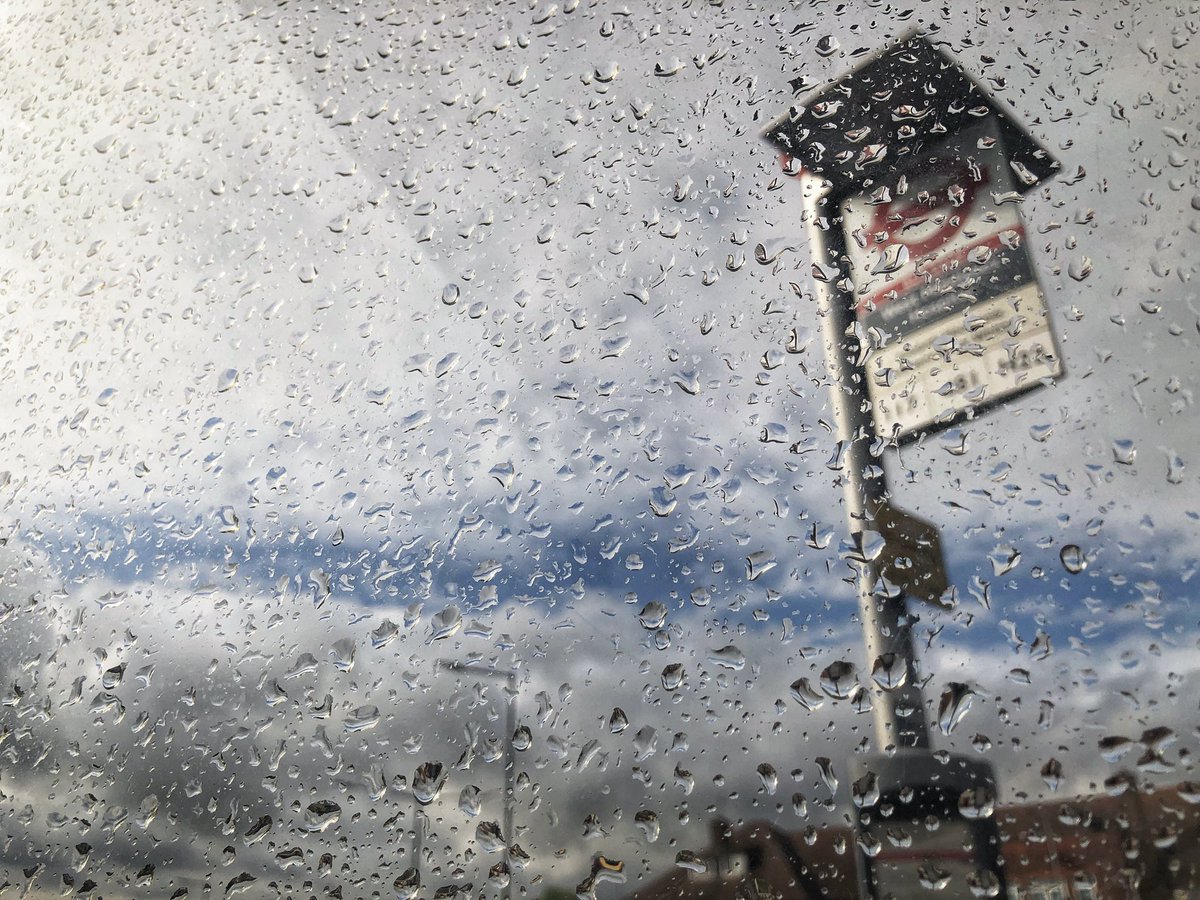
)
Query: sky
[{"x": 322, "y": 317}]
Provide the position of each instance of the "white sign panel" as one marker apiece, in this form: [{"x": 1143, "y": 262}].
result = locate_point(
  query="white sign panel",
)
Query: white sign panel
[{"x": 949, "y": 310}]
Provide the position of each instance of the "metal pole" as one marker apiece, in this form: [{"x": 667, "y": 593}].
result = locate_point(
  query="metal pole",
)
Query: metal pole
[
  {"x": 418, "y": 836},
  {"x": 885, "y": 623},
  {"x": 510, "y": 761},
  {"x": 510, "y": 773}
]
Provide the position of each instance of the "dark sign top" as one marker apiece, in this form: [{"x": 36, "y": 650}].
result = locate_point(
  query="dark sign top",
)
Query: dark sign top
[{"x": 871, "y": 125}]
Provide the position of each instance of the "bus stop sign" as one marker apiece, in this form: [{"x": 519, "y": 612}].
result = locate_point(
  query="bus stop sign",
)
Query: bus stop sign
[{"x": 926, "y": 174}]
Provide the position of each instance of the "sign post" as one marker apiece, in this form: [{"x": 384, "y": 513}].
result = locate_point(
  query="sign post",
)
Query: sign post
[{"x": 932, "y": 313}]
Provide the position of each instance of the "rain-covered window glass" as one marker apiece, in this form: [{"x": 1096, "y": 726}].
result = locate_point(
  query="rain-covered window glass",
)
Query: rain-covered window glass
[{"x": 625, "y": 451}]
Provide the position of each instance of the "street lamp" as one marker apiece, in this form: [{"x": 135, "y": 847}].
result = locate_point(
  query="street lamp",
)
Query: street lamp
[
  {"x": 510, "y": 677},
  {"x": 902, "y": 155}
]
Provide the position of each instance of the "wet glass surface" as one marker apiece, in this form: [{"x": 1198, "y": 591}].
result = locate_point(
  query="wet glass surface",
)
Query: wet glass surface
[{"x": 446, "y": 444}]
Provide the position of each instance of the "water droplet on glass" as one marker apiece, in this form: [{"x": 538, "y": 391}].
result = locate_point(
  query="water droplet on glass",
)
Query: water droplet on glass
[
  {"x": 321, "y": 814},
  {"x": 227, "y": 380},
  {"x": 1124, "y": 452},
  {"x": 653, "y": 615},
  {"x": 933, "y": 877},
  {"x": 384, "y": 634},
  {"x": 865, "y": 791},
  {"x": 647, "y": 822},
  {"x": 1080, "y": 269},
  {"x": 1052, "y": 774},
  {"x": 977, "y": 802},
  {"x": 672, "y": 676},
  {"x": 1004, "y": 559},
  {"x": 984, "y": 883},
  {"x": 407, "y": 883},
  {"x": 691, "y": 861},
  {"x": 662, "y": 501},
  {"x": 759, "y": 563},
  {"x": 665, "y": 68},
  {"x": 427, "y": 782},
  {"x": 489, "y": 837},
  {"x": 363, "y": 718},
  {"x": 445, "y": 624},
  {"x": 1073, "y": 558},
  {"x": 805, "y": 695},
  {"x": 825, "y": 767},
  {"x": 839, "y": 679},
  {"x": 890, "y": 671},
  {"x": 728, "y": 657},
  {"x": 953, "y": 706},
  {"x": 769, "y": 777},
  {"x": 522, "y": 738},
  {"x": 827, "y": 45},
  {"x": 470, "y": 800}
]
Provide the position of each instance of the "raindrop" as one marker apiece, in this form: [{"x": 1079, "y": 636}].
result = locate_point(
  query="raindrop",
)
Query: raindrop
[
  {"x": 977, "y": 803},
  {"x": 644, "y": 743},
  {"x": 893, "y": 258},
  {"x": 662, "y": 501},
  {"x": 470, "y": 800},
  {"x": 239, "y": 883},
  {"x": 321, "y": 814},
  {"x": 1004, "y": 559},
  {"x": 258, "y": 830},
  {"x": 363, "y": 718},
  {"x": 827, "y": 46},
  {"x": 1124, "y": 452},
  {"x": 825, "y": 767},
  {"x": 407, "y": 884},
  {"x": 728, "y": 657},
  {"x": 606, "y": 72},
  {"x": 667, "y": 67},
  {"x": 890, "y": 671},
  {"x": 522, "y": 738},
  {"x": 653, "y": 615},
  {"x": 647, "y": 821},
  {"x": 799, "y": 805},
  {"x": 445, "y": 624},
  {"x": 865, "y": 791},
  {"x": 489, "y": 837},
  {"x": 759, "y": 563},
  {"x": 1080, "y": 269},
  {"x": 955, "y": 703},
  {"x": 769, "y": 777},
  {"x": 804, "y": 694},
  {"x": 839, "y": 679},
  {"x": 112, "y": 678},
  {"x": 384, "y": 634},
  {"x": 427, "y": 782},
  {"x": 933, "y": 877},
  {"x": 1189, "y": 792},
  {"x": 227, "y": 380},
  {"x": 984, "y": 883},
  {"x": 343, "y": 653},
  {"x": 1052, "y": 774},
  {"x": 672, "y": 676},
  {"x": 1073, "y": 559}
]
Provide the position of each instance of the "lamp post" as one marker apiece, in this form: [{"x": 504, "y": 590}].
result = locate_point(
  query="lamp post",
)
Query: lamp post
[{"x": 510, "y": 678}]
